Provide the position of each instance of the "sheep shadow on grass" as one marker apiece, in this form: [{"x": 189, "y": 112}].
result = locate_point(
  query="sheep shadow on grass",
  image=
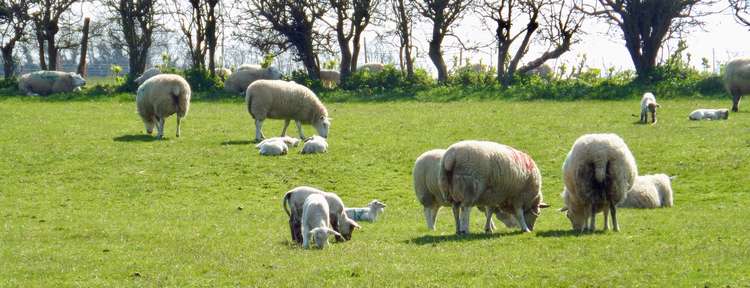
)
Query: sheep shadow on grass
[
  {"x": 436, "y": 239},
  {"x": 238, "y": 142},
  {"x": 136, "y": 138},
  {"x": 566, "y": 233}
]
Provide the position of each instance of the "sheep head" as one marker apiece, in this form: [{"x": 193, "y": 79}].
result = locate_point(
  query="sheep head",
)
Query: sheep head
[{"x": 322, "y": 124}]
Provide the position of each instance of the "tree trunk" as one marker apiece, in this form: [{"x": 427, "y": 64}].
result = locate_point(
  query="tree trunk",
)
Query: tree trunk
[
  {"x": 437, "y": 57},
  {"x": 345, "y": 67},
  {"x": 40, "y": 43},
  {"x": 9, "y": 64},
  {"x": 84, "y": 48},
  {"x": 211, "y": 38},
  {"x": 356, "y": 45},
  {"x": 51, "y": 51}
]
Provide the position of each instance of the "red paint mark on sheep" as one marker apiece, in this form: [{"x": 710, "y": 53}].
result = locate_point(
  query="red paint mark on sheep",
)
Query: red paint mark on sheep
[{"x": 522, "y": 160}]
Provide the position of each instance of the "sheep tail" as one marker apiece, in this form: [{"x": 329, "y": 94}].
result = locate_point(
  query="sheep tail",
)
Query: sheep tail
[
  {"x": 600, "y": 171},
  {"x": 179, "y": 99},
  {"x": 285, "y": 203},
  {"x": 446, "y": 174}
]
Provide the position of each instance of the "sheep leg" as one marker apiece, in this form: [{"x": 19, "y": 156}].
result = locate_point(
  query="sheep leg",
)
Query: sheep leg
[
  {"x": 429, "y": 216},
  {"x": 259, "y": 130},
  {"x": 613, "y": 210},
  {"x": 521, "y": 220},
  {"x": 160, "y": 127},
  {"x": 488, "y": 225},
  {"x": 456, "y": 210},
  {"x": 178, "y": 126},
  {"x": 644, "y": 118},
  {"x": 286, "y": 125},
  {"x": 606, "y": 222},
  {"x": 653, "y": 117},
  {"x": 464, "y": 217},
  {"x": 736, "y": 96},
  {"x": 433, "y": 216},
  {"x": 592, "y": 218},
  {"x": 299, "y": 129}
]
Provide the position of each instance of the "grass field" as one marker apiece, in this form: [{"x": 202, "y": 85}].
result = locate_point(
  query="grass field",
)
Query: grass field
[{"x": 87, "y": 200}]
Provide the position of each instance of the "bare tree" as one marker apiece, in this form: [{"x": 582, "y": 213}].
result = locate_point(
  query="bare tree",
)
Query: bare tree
[
  {"x": 283, "y": 24},
  {"x": 442, "y": 13},
  {"x": 84, "y": 48},
  {"x": 549, "y": 22},
  {"x": 14, "y": 18},
  {"x": 137, "y": 19},
  {"x": 646, "y": 25},
  {"x": 352, "y": 17},
  {"x": 741, "y": 9},
  {"x": 47, "y": 24},
  {"x": 404, "y": 17}
]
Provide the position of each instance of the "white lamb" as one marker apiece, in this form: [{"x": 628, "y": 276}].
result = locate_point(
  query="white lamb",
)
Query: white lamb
[
  {"x": 248, "y": 74},
  {"x": 150, "y": 72},
  {"x": 273, "y": 148},
  {"x": 277, "y": 99},
  {"x": 369, "y": 213},
  {"x": 648, "y": 104},
  {"x": 426, "y": 175},
  {"x": 223, "y": 73},
  {"x": 295, "y": 198},
  {"x": 492, "y": 175},
  {"x": 289, "y": 141},
  {"x": 650, "y": 191},
  {"x": 161, "y": 96},
  {"x": 49, "y": 82},
  {"x": 598, "y": 173},
  {"x": 372, "y": 67},
  {"x": 709, "y": 114},
  {"x": 316, "y": 224},
  {"x": 737, "y": 79},
  {"x": 315, "y": 144},
  {"x": 330, "y": 78}
]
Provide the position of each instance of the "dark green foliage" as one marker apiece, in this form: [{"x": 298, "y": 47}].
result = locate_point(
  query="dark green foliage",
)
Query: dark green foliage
[{"x": 201, "y": 80}]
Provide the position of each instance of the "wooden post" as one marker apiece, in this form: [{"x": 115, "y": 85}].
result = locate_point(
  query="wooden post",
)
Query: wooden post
[{"x": 84, "y": 48}]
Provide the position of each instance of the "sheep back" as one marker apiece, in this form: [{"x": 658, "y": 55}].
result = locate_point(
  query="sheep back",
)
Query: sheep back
[
  {"x": 277, "y": 99},
  {"x": 247, "y": 74},
  {"x": 737, "y": 76},
  {"x": 162, "y": 96}
]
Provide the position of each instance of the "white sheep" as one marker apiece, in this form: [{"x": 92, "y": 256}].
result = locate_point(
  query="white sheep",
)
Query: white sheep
[
  {"x": 650, "y": 191},
  {"x": 709, "y": 114},
  {"x": 223, "y": 73},
  {"x": 315, "y": 144},
  {"x": 492, "y": 175},
  {"x": 426, "y": 176},
  {"x": 277, "y": 99},
  {"x": 49, "y": 82},
  {"x": 372, "y": 67},
  {"x": 289, "y": 141},
  {"x": 737, "y": 79},
  {"x": 273, "y": 148},
  {"x": 598, "y": 173},
  {"x": 330, "y": 78},
  {"x": 150, "y": 72},
  {"x": 248, "y": 74},
  {"x": 295, "y": 198},
  {"x": 315, "y": 222},
  {"x": 369, "y": 213},
  {"x": 648, "y": 104},
  {"x": 161, "y": 96}
]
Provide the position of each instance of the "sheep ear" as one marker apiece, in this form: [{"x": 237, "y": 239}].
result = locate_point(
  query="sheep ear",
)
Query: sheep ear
[
  {"x": 337, "y": 234},
  {"x": 354, "y": 224},
  {"x": 563, "y": 209},
  {"x": 543, "y": 205},
  {"x": 671, "y": 178}
]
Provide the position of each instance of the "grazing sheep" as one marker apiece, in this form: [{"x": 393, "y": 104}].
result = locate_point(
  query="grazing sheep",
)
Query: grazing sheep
[
  {"x": 295, "y": 198},
  {"x": 151, "y": 72},
  {"x": 426, "y": 175},
  {"x": 49, "y": 82},
  {"x": 544, "y": 71},
  {"x": 648, "y": 104},
  {"x": 372, "y": 67},
  {"x": 369, "y": 213},
  {"x": 315, "y": 144},
  {"x": 330, "y": 78},
  {"x": 222, "y": 73},
  {"x": 273, "y": 148},
  {"x": 650, "y": 191},
  {"x": 277, "y": 99},
  {"x": 161, "y": 96},
  {"x": 598, "y": 173},
  {"x": 709, "y": 114},
  {"x": 737, "y": 79},
  {"x": 316, "y": 224},
  {"x": 247, "y": 74},
  {"x": 289, "y": 141},
  {"x": 496, "y": 176}
]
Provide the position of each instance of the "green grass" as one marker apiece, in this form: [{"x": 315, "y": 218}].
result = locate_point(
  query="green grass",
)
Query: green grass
[{"x": 87, "y": 200}]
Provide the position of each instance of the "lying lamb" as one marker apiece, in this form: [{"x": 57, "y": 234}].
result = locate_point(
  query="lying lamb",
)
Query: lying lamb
[
  {"x": 49, "y": 82},
  {"x": 492, "y": 175},
  {"x": 289, "y": 141},
  {"x": 161, "y": 96},
  {"x": 369, "y": 213},
  {"x": 648, "y": 104},
  {"x": 277, "y": 99},
  {"x": 650, "y": 191},
  {"x": 709, "y": 114},
  {"x": 316, "y": 224},
  {"x": 598, "y": 173},
  {"x": 315, "y": 144},
  {"x": 295, "y": 198},
  {"x": 274, "y": 147}
]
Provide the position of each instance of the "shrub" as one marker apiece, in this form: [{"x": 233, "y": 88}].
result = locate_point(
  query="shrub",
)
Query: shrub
[{"x": 201, "y": 80}]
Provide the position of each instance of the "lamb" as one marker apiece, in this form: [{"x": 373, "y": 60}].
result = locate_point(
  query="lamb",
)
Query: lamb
[
  {"x": 496, "y": 176},
  {"x": 369, "y": 213},
  {"x": 330, "y": 77},
  {"x": 316, "y": 224},
  {"x": 273, "y": 148},
  {"x": 598, "y": 173},
  {"x": 151, "y": 72},
  {"x": 650, "y": 191},
  {"x": 161, "y": 96},
  {"x": 372, "y": 67},
  {"x": 246, "y": 75},
  {"x": 648, "y": 104},
  {"x": 222, "y": 73},
  {"x": 294, "y": 200},
  {"x": 427, "y": 185},
  {"x": 289, "y": 141},
  {"x": 737, "y": 79},
  {"x": 709, "y": 114},
  {"x": 315, "y": 144},
  {"x": 277, "y": 99},
  {"x": 49, "y": 82}
]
